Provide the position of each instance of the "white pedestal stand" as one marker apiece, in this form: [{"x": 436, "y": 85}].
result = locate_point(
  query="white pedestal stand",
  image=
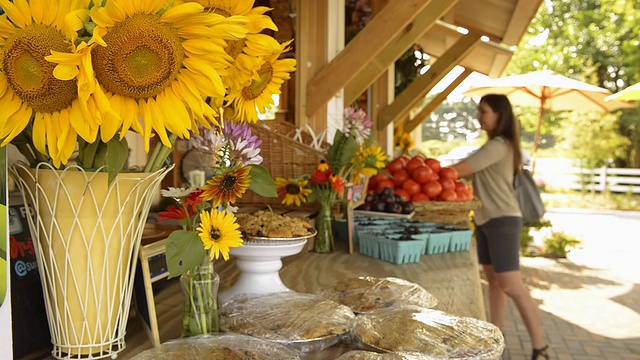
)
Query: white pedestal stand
[{"x": 259, "y": 266}]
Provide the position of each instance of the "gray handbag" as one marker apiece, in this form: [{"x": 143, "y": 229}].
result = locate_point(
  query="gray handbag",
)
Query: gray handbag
[{"x": 528, "y": 195}]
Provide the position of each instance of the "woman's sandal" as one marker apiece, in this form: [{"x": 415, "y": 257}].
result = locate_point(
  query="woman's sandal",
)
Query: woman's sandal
[{"x": 542, "y": 352}]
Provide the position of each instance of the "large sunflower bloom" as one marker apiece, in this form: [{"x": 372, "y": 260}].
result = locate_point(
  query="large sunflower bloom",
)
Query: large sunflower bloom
[
  {"x": 219, "y": 232},
  {"x": 157, "y": 64},
  {"x": 28, "y": 88},
  {"x": 292, "y": 191},
  {"x": 227, "y": 187},
  {"x": 268, "y": 75}
]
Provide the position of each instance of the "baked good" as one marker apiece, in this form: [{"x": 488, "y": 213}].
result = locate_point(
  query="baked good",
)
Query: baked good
[
  {"x": 264, "y": 223},
  {"x": 425, "y": 332},
  {"x": 366, "y": 294},
  {"x": 368, "y": 355},
  {"x": 286, "y": 317}
]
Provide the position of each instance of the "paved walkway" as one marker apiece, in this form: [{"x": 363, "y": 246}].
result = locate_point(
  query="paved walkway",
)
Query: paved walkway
[{"x": 590, "y": 302}]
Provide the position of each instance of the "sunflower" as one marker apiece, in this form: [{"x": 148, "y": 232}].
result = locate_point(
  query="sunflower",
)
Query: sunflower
[
  {"x": 255, "y": 95},
  {"x": 225, "y": 188},
  {"x": 367, "y": 161},
  {"x": 155, "y": 63},
  {"x": 292, "y": 191},
  {"x": 30, "y": 96},
  {"x": 219, "y": 232}
]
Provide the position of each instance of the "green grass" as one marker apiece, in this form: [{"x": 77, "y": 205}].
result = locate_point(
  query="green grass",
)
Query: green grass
[{"x": 591, "y": 201}]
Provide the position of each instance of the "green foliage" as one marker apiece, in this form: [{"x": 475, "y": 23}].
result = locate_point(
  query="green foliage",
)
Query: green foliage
[
  {"x": 452, "y": 121},
  {"x": 558, "y": 243},
  {"x": 525, "y": 234},
  {"x": 341, "y": 152},
  {"x": 184, "y": 251},
  {"x": 261, "y": 182}
]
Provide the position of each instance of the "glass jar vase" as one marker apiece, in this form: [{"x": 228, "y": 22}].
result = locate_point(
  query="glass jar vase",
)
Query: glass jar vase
[{"x": 200, "y": 297}]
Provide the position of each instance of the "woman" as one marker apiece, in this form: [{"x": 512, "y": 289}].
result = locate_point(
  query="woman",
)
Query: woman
[{"x": 499, "y": 220}]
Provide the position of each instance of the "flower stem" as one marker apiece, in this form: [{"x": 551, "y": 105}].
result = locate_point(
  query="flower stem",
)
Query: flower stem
[{"x": 159, "y": 155}]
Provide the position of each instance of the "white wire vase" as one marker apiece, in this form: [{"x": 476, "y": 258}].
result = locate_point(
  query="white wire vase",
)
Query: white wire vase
[{"x": 87, "y": 236}]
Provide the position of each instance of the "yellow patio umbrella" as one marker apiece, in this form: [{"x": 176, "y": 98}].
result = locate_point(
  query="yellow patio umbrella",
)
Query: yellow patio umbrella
[
  {"x": 629, "y": 94},
  {"x": 547, "y": 89}
]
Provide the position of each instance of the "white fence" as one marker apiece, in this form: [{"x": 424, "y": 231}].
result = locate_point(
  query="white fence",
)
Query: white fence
[{"x": 592, "y": 180}]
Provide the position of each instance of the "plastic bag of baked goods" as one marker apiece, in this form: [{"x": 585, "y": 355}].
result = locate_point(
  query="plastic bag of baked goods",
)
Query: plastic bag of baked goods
[
  {"x": 429, "y": 334},
  {"x": 367, "y": 294},
  {"x": 369, "y": 355},
  {"x": 302, "y": 322},
  {"x": 221, "y": 347}
]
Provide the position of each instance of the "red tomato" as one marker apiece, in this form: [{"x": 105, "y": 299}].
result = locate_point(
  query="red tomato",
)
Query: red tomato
[
  {"x": 432, "y": 189},
  {"x": 448, "y": 195},
  {"x": 460, "y": 186},
  {"x": 414, "y": 163},
  {"x": 403, "y": 193},
  {"x": 412, "y": 187},
  {"x": 447, "y": 184},
  {"x": 448, "y": 173},
  {"x": 399, "y": 177},
  {"x": 387, "y": 183},
  {"x": 463, "y": 196},
  {"x": 375, "y": 179},
  {"x": 395, "y": 165},
  {"x": 422, "y": 174},
  {"x": 419, "y": 197},
  {"x": 433, "y": 164},
  {"x": 405, "y": 159}
]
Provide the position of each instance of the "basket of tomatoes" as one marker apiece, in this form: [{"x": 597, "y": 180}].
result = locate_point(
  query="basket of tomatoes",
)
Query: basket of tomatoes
[{"x": 437, "y": 194}]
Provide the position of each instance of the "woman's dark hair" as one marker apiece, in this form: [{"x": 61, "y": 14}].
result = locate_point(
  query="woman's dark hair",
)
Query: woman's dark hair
[{"x": 507, "y": 125}]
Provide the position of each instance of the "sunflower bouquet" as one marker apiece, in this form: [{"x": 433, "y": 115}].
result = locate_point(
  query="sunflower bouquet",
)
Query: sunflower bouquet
[
  {"x": 75, "y": 80},
  {"x": 352, "y": 157}
]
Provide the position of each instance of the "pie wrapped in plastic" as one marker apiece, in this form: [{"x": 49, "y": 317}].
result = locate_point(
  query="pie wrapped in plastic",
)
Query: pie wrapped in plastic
[
  {"x": 368, "y": 355},
  {"x": 221, "y": 347},
  {"x": 367, "y": 294},
  {"x": 429, "y": 334},
  {"x": 304, "y": 322}
]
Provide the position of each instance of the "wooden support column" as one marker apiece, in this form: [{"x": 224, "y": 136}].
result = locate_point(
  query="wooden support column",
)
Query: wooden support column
[
  {"x": 433, "y": 105},
  {"x": 420, "y": 87},
  {"x": 356, "y": 56},
  {"x": 377, "y": 65}
]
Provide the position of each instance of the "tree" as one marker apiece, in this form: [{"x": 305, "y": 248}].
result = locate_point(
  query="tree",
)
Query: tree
[{"x": 452, "y": 120}]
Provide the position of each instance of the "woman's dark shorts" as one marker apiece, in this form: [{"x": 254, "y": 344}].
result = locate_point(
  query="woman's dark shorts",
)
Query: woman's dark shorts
[{"x": 499, "y": 243}]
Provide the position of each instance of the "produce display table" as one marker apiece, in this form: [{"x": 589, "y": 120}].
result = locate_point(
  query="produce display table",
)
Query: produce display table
[{"x": 453, "y": 278}]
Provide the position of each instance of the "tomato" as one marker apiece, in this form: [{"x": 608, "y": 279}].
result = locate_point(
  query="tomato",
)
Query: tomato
[
  {"x": 386, "y": 183},
  {"x": 448, "y": 195},
  {"x": 448, "y": 173},
  {"x": 375, "y": 179},
  {"x": 399, "y": 177},
  {"x": 395, "y": 165},
  {"x": 403, "y": 193},
  {"x": 405, "y": 159},
  {"x": 419, "y": 197},
  {"x": 432, "y": 189},
  {"x": 463, "y": 196},
  {"x": 433, "y": 164},
  {"x": 460, "y": 186},
  {"x": 422, "y": 174},
  {"x": 447, "y": 184},
  {"x": 414, "y": 163},
  {"x": 411, "y": 186}
]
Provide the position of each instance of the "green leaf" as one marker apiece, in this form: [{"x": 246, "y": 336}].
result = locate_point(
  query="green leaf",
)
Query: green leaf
[
  {"x": 341, "y": 151},
  {"x": 261, "y": 182},
  {"x": 184, "y": 251},
  {"x": 117, "y": 154}
]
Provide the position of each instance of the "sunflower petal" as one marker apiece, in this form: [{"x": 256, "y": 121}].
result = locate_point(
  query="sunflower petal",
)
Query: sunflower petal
[
  {"x": 39, "y": 131},
  {"x": 14, "y": 13}
]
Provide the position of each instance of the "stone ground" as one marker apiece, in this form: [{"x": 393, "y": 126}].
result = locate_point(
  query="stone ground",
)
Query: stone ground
[{"x": 590, "y": 302}]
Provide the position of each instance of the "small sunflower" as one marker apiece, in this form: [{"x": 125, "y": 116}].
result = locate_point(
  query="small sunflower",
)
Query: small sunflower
[
  {"x": 155, "y": 64},
  {"x": 28, "y": 89},
  {"x": 219, "y": 232},
  {"x": 268, "y": 75},
  {"x": 292, "y": 191},
  {"x": 225, "y": 188}
]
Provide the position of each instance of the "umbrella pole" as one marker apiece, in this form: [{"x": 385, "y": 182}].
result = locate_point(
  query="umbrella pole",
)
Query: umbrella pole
[{"x": 536, "y": 140}]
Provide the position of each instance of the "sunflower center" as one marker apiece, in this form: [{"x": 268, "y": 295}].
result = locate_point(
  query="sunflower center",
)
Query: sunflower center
[
  {"x": 292, "y": 189},
  {"x": 234, "y": 47},
  {"x": 228, "y": 182},
  {"x": 215, "y": 234},
  {"x": 30, "y": 76},
  {"x": 142, "y": 57},
  {"x": 257, "y": 87}
]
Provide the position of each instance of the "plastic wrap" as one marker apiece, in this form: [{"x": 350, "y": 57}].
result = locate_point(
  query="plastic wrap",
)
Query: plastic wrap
[
  {"x": 429, "y": 334},
  {"x": 369, "y": 355},
  {"x": 367, "y": 294},
  {"x": 221, "y": 347},
  {"x": 302, "y": 322}
]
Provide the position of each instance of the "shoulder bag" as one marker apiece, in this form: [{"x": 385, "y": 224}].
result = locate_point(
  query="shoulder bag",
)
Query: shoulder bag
[{"x": 528, "y": 195}]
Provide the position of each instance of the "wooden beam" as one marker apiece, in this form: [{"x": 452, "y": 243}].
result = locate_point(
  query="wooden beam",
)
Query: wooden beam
[
  {"x": 382, "y": 29},
  {"x": 437, "y": 101},
  {"x": 421, "y": 86},
  {"x": 376, "y": 66}
]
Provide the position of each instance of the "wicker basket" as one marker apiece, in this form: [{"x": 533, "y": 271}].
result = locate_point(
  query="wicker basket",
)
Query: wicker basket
[
  {"x": 443, "y": 212},
  {"x": 283, "y": 157}
]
